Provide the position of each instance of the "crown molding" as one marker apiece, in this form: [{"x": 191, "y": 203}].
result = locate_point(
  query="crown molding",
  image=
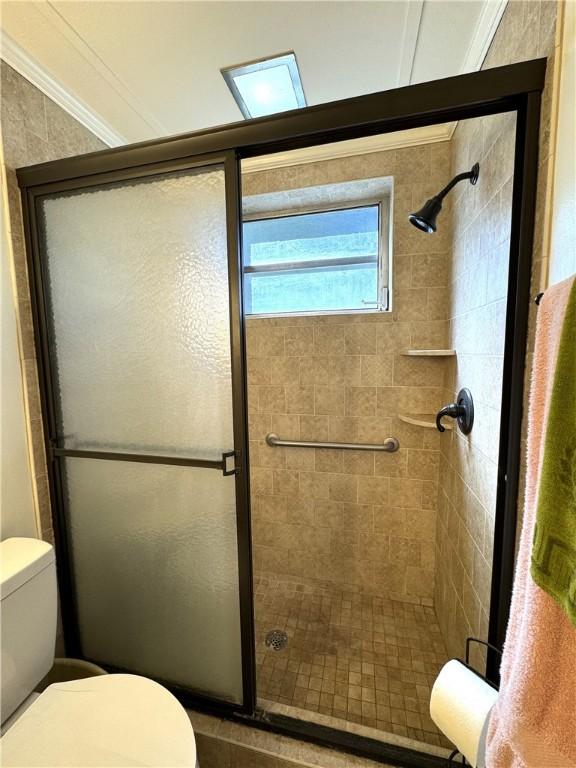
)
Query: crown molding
[
  {"x": 492, "y": 13},
  {"x": 26, "y": 66},
  {"x": 59, "y": 22},
  {"x": 412, "y": 21},
  {"x": 383, "y": 142}
]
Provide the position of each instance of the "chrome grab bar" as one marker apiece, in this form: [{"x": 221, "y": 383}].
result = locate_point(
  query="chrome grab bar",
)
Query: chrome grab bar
[{"x": 390, "y": 445}]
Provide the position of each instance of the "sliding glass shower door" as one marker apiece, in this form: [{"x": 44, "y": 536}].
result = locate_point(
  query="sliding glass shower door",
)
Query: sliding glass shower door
[{"x": 142, "y": 313}]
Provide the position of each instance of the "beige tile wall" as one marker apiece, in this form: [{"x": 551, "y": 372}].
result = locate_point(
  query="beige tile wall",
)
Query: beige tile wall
[
  {"x": 34, "y": 130},
  {"x": 479, "y": 273},
  {"x": 357, "y": 520},
  {"x": 477, "y": 302}
]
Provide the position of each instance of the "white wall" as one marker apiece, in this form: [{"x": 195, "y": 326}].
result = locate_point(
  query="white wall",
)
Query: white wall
[
  {"x": 17, "y": 510},
  {"x": 563, "y": 233}
]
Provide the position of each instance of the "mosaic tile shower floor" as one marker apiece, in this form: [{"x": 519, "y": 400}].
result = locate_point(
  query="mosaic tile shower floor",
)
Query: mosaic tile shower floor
[{"x": 352, "y": 656}]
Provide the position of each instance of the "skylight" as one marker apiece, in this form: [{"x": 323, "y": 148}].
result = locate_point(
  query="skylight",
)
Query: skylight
[{"x": 266, "y": 86}]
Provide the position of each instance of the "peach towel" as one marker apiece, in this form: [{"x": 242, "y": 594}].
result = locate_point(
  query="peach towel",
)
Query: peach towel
[{"x": 533, "y": 723}]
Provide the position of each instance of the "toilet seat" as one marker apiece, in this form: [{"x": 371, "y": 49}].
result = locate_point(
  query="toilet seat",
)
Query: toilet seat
[{"x": 110, "y": 720}]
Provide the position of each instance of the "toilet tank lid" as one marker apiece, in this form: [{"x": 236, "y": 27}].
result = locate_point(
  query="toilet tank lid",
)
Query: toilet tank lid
[{"x": 20, "y": 560}]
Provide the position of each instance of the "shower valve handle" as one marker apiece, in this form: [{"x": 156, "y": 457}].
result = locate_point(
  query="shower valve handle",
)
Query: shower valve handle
[
  {"x": 462, "y": 410},
  {"x": 453, "y": 410}
]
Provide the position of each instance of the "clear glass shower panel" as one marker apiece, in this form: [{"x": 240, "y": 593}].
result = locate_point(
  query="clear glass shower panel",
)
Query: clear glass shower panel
[
  {"x": 138, "y": 302},
  {"x": 156, "y": 571}
]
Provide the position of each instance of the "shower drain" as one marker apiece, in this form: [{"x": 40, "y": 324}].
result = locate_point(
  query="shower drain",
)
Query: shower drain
[{"x": 276, "y": 639}]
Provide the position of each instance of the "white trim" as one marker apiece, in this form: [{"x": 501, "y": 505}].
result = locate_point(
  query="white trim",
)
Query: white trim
[
  {"x": 412, "y": 21},
  {"x": 19, "y": 60},
  {"x": 492, "y": 13},
  {"x": 59, "y": 22},
  {"x": 427, "y": 135}
]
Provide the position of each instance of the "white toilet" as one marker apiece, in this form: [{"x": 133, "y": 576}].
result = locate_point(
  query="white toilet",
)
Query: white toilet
[{"x": 108, "y": 720}]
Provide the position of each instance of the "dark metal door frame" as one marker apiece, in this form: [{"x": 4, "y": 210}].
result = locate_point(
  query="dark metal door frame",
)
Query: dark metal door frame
[
  {"x": 56, "y": 453},
  {"x": 514, "y": 88}
]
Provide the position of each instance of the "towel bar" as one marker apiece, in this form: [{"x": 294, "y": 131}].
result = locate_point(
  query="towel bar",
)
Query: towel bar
[{"x": 390, "y": 445}]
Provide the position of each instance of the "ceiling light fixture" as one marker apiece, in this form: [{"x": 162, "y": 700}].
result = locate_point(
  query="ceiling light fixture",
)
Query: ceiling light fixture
[{"x": 266, "y": 86}]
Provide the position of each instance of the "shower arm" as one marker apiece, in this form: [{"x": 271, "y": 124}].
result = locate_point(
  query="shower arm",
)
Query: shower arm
[{"x": 473, "y": 174}]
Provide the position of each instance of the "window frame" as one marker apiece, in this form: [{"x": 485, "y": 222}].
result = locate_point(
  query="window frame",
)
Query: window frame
[{"x": 383, "y": 258}]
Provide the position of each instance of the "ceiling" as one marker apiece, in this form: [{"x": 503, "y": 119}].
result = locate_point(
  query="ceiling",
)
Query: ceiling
[{"x": 134, "y": 70}]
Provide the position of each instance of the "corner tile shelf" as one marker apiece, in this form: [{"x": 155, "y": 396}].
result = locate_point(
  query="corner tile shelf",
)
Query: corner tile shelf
[
  {"x": 429, "y": 352},
  {"x": 427, "y": 420}
]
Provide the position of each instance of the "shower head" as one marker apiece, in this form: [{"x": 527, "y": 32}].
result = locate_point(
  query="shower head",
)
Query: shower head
[{"x": 425, "y": 218}]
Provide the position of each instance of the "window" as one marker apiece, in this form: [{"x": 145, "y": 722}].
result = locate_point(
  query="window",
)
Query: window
[{"x": 317, "y": 261}]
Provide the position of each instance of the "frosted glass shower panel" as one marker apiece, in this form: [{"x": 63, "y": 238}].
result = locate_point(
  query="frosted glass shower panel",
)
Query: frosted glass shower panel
[
  {"x": 137, "y": 277},
  {"x": 156, "y": 571}
]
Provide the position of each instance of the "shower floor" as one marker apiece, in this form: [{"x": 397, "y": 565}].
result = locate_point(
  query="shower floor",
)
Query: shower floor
[{"x": 350, "y": 655}]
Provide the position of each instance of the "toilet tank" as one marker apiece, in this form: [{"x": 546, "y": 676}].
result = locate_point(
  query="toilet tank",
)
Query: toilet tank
[{"x": 28, "y": 617}]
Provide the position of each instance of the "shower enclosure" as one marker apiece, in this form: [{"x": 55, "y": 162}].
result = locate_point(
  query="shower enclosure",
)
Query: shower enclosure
[{"x": 135, "y": 269}]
